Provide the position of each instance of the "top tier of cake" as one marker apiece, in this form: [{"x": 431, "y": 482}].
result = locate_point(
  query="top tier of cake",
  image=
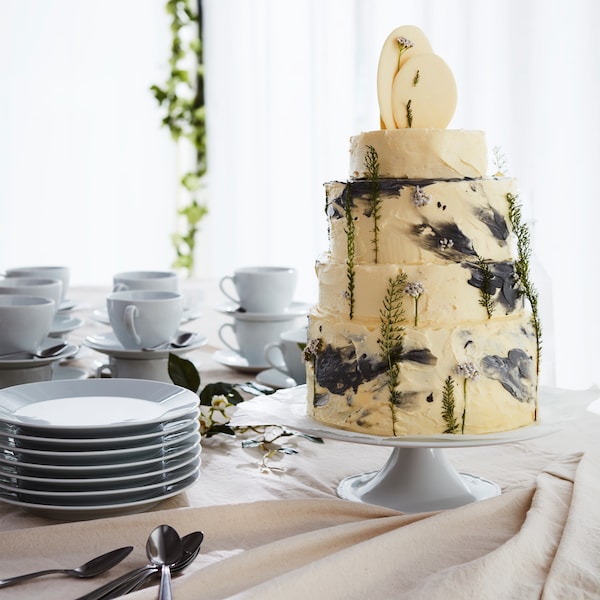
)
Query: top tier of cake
[{"x": 421, "y": 153}]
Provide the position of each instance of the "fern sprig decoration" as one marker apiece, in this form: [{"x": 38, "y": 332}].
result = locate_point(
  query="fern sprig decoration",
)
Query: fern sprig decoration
[
  {"x": 522, "y": 268},
  {"x": 449, "y": 406},
  {"x": 486, "y": 300},
  {"x": 372, "y": 167},
  {"x": 391, "y": 342},
  {"x": 350, "y": 234},
  {"x": 409, "y": 113}
]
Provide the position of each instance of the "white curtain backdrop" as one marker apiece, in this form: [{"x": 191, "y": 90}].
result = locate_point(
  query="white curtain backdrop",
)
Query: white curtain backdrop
[{"x": 88, "y": 178}]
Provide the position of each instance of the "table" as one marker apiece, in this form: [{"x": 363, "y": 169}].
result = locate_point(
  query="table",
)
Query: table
[{"x": 285, "y": 534}]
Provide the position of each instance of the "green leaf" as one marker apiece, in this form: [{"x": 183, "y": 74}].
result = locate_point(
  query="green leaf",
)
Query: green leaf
[
  {"x": 183, "y": 373},
  {"x": 220, "y": 389},
  {"x": 220, "y": 429}
]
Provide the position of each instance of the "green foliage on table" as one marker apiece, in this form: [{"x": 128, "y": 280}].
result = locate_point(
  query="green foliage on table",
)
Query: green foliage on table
[
  {"x": 182, "y": 97},
  {"x": 217, "y": 396}
]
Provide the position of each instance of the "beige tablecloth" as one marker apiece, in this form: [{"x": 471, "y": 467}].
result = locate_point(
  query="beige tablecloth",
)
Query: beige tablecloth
[{"x": 285, "y": 534}]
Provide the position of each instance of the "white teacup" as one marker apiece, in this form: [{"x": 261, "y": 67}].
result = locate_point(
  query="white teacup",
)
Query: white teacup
[
  {"x": 261, "y": 289},
  {"x": 287, "y": 355},
  {"x": 50, "y": 272},
  {"x": 145, "y": 280},
  {"x": 156, "y": 369},
  {"x": 25, "y": 322},
  {"x": 252, "y": 337},
  {"x": 144, "y": 318},
  {"x": 33, "y": 286}
]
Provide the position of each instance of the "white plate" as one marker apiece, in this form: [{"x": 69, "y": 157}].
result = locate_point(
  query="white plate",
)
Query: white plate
[
  {"x": 77, "y": 513},
  {"x": 185, "y": 422},
  {"x": 122, "y": 468},
  {"x": 106, "y": 407},
  {"x": 231, "y": 359},
  {"x": 275, "y": 379},
  {"x": 111, "y": 481},
  {"x": 64, "y": 323},
  {"x": 23, "y": 363},
  {"x": 295, "y": 309},
  {"x": 100, "y": 315},
  {"x": 113, "y": 456},
  {"x": 103, "y": 495},
  {"x": 107, "y": 343},
  {"x": 288, "y": 407}
]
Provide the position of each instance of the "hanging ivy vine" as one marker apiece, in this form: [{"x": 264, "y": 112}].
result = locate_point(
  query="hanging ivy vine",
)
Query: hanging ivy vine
[{"x": 182, "y": 97}]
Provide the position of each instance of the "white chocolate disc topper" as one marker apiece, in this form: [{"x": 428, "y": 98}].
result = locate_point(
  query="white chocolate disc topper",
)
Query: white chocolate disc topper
[{"x": 415, "y": 87}]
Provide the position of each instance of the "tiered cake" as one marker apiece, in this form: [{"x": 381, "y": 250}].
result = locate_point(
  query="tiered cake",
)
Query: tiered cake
[{"x": 426, "y": 321}]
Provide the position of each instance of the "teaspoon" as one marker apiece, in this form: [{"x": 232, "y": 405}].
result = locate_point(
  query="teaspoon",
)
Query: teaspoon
[
  {"x": 94, "y": 567},
  {"x": 137, "y": 577},
  {"x": 164, "y": 549},
  {"x": 179, "y": 341},
  {"x": 48, "y": 352}
]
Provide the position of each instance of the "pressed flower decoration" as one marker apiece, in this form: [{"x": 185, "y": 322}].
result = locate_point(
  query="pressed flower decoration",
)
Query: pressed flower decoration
[
  {"x": 415, "y": 290},
  {"x": 420, "y": 198},
  {"x": 403, "y": 45},
  {"x": 469, "y": 371}
]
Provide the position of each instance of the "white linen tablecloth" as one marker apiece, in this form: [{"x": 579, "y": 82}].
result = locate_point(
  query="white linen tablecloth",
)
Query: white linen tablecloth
[{"x": 285, "y": 534}]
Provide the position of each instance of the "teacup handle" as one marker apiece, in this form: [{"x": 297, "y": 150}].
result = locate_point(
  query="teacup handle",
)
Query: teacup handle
[
  {"x": 131, "y": 312},
  {"x": 120, "y": 287},
  {"x": 104, "y": 371},
  {"x": 279, "y": 366},
  {"x": 221, "y": 330},
  {"x": 222, "y": 286}
]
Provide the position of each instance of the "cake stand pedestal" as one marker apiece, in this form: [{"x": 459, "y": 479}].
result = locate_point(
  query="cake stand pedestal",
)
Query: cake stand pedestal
[
  {"x": 417, "y": 480},
  {"x": 417, "y": 476}
]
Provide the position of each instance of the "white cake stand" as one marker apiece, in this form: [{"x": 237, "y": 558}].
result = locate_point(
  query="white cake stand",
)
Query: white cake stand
[{"x": 417, "y": 476}]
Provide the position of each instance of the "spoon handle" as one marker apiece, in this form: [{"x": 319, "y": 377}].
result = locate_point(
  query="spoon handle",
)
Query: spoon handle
[
  {"x": 132, "y": 584},
  {"x": 164, "y": 591},
  {"x": 19, "y": 578},
  {"x": 103, "y": 591}
]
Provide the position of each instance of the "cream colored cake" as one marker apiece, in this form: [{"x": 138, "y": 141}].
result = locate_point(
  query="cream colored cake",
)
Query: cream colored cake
[{"x": 426, "y": 319}]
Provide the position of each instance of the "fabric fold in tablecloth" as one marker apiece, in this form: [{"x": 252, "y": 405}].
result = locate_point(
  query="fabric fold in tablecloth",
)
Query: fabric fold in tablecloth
[{"x": 528, "y": 543}]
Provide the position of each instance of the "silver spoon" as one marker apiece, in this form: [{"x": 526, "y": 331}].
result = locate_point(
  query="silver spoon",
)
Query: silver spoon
[
  {"x": 94, "y": 567},
  {"x": 48, "y": 352},
  {"x": 191, "y": 547},
  {"x": 179, "y": 341},
  {"x": 164, "y": 549},
  {"x": 129, "y": 581}
]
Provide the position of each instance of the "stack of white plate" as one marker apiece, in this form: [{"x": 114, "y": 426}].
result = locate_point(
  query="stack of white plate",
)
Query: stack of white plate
[{"x": 96, "y": 447}]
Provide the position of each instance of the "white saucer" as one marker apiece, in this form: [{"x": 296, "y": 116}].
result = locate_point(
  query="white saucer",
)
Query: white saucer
[
  {"x": 229, "y": 358},
  {"x": 100, "y": 315},
  {"x": 107, "y": 343},
  {"x": 61, "y": 372},
  {"x": 66, "y": 305},
  {"x": 275, "y": 379},
  {"x": 23, "y": 363},
  {"x": 64, "y": 323},
  {"x": 294, "y": 310}
]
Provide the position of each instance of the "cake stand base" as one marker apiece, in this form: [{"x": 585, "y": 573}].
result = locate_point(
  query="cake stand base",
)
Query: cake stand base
[{"x": 417, "y": 480}]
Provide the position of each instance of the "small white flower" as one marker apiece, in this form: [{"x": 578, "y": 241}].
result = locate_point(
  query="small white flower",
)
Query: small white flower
[
  {"x": 219, "y": 402},
  {"x": 468, "y": 370},
  {"x": 414, "y": 289},
  {"x": 445, "y": 243},
  {"x": 420, "y": 198},
  {"x": 404, "y": 43}
]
